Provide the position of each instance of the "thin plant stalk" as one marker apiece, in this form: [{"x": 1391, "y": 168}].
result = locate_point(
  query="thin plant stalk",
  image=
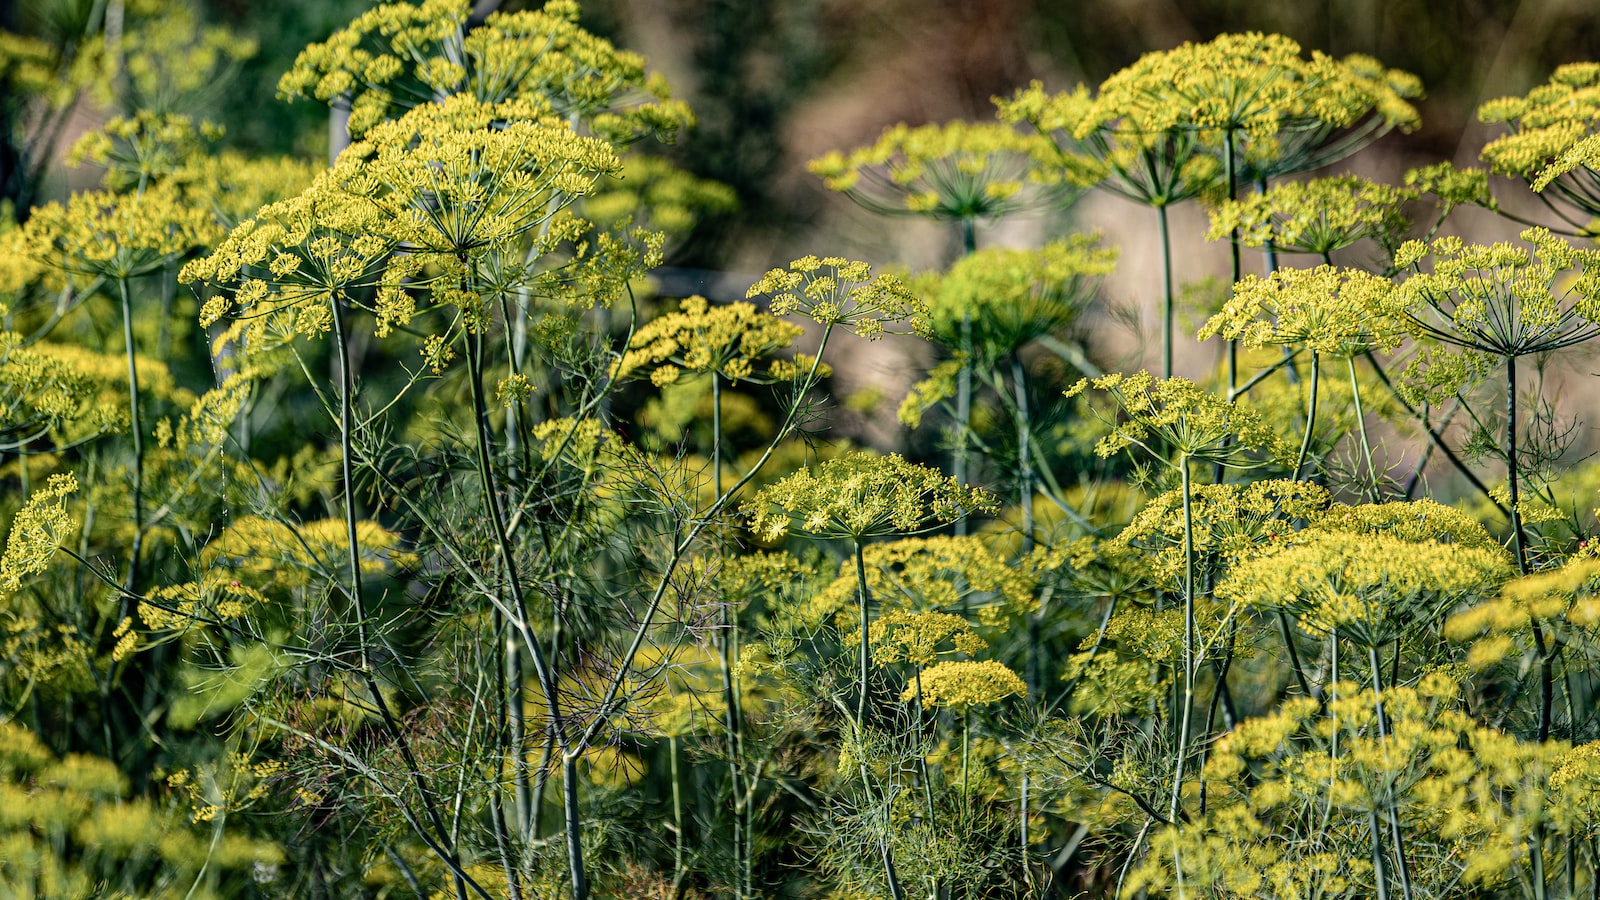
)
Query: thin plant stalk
[
  {"x": 677, "y": 816},
  {"x": 542, "y": 669},
  {"x": 730, "y": 688},
  {"x": 1189, "y": 644},
  {"x": 1233, "y": 247},
  {"x": 136, "y": 426},
  {"x": 1167, "y": 299},
  {"x": 962, "y": 457},
  {"x": 1311, "y": 415},
  {"x": 1402, "y": 869},
  {"x": 1019, "y": 383},
  {"x": 862, "y": 599},
  {"x": 1361, "y": 430},
  {"x": 446, "y": 851}
]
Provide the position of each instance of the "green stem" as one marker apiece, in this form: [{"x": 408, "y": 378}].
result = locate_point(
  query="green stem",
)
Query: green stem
[
  {"x": 1233, "y": 246},
  {"x": 730, "y": 690},
  {"x": 1311, "y": 415},
  {"x": 1019, "y": 384},
  {"x": 519, "y": 618},
  {"x": 677, "y": 818},
  {"x": 447, "y": 851},
  {"x": 1512, "y": 480},
  {"x": 961, "y": 459},
  {"x": 862, "y": 598},
  {"x": 136, "y": 426},
  {"x": 1402, "y": 868},
  {"x": 1167, "y": 299},
  {"x": 1190, "y": 650},
  {"x": 1361, "y": 429}
]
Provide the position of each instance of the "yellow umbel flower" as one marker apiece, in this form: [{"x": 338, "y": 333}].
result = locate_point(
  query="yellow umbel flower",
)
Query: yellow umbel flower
[
  {"x": 1011, "y": 297},
  {"x": 1232, "y": 522},
  {"x": 1178, "y": 414},
  {"x": 963, "y": 684},
  {"x": 1552, "y": 137},
  {"x": 400, "y": 56},
  {"x": 1339, "y": 312},
  {"x": 450, "y": 180},
  {"x": 280, "y": 270},
  {"x": 1156, "y": 169},
  {"x": 1317, "y": 216},
  {"x": 862, "y": 495},
  {"x": 37, "y": 531},
  {"x": 1289, "y": 111},
  {"x": 118, "y": 236},
  {"x": 725, "y": 340},
  {"x": 1502, "y": 299},
  {"x": 145, "y": 147},
  {"x": 837, "y": 291},
  {"x": 1297, "y": 801},
  {"x": 933, "y": 573},
  {"x": 959, "y": 171},
  {"x": 915, "y": 637},
  {"x": 1371, "y": 588}
]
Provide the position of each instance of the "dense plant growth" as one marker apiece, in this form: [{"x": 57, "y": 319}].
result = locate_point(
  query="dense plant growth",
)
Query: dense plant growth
[{"x": 375, "y": 530}]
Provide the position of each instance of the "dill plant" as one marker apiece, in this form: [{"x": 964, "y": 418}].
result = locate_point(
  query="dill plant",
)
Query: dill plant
[{"x": 342, "y": 572}]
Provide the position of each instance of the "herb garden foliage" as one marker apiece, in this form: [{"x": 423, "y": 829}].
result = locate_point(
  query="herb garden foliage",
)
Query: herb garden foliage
[{"x": 374, "y": 532}]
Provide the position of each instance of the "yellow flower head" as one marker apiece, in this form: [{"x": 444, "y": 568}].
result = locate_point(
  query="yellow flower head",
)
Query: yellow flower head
[
  {"x": 1502, "y": 299},
  {"x": 1338, "y": 312},
  {"x": 1288, "y": 110},
  {"x": 1551, "y": 136},
  {"x": 955, "y": 171},
  {"x": 725, "y": 339},
  {"x": 963, "y": 684},
  {"x": 1181, "y": 415},
  {"x": 1317, "y": 216},
  {"x": 837, "y": 291},
  {"x": 1011, "y": 297},
  {"x": 117, "y": 236},
  {"x": 1372, "y": 588},
  {"x": 400, "y": 56},
  {"x": 859, "y": 496}
]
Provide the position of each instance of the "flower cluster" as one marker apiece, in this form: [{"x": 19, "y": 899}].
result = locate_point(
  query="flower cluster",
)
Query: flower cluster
[
  {"x": 1154, "y": 168},
  {"x": 38, "y": 529},
  {"x": 1259, "y": 87},
  {"x": 963, "y": 684},
  {"x": 118, "y": 236},
  {"x": 700, "y": 338},
  {"x": 859, "y": 496},
  {"x": 1334, "y": 311},
  {"x": 145, "y": 147},
  {"x": 1011, "y": 297},
  {"x": 955, "y": 171},
  {"x": 1455, "y": 785},
  {"x": 915, "y": 637},
  {"x": 1551, "y": 134},
  {"x": 837, "y": 291},
  {"x": 1178, "y": 414},
  {"x": 401, "y": 56},
  {"x": 1371, "y": 588},
  {"x": 1231, "y": 524},
  {"x": 934, "y": 573},
  {"x": 1317, "y": 216},
  {"x": 1501, "y": 299}
]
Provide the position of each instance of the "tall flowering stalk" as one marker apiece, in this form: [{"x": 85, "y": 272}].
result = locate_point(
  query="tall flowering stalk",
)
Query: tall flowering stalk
[
  {"x": 856, "y": 498},
  {"x": 958, "y": 172},
  {"x": 1179, "y": 424},
  {"x": 1254, "y": 94}
]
